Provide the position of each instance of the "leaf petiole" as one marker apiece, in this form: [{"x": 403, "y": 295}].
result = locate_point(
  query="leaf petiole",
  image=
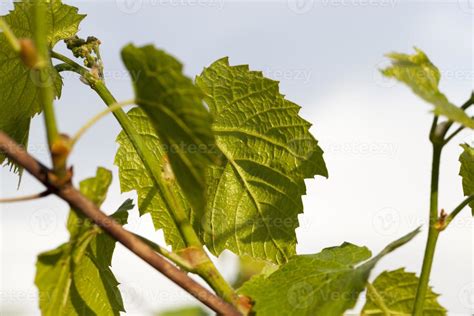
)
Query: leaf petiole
[
  {"x": 448, "y": 124},
  {"x": 73, "y": 66},
  {"x": 97, "y": 118},
  {"x": 178, "y": 260},
  {"x": 454, "y": 213},
  {"x": 456, "y": 132},
  {"x": 11, "y": 38}
]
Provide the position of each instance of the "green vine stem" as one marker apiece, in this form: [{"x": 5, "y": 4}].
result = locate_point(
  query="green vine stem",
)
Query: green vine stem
[
  {"x": 146, "y": 156},
  {"x": 45, "y": 82},
  {"x": 203, "y": 264},
  {"x": 58, "y": 144},
  {"x": 436, "y": 223},
  {"x": 454, "y": 134},
  {"x": 433, "y": 235},
  {"x": 437, "y": 139},
  {"x": 173, "y": 257},
  {"x": 464, "y": 107},
  {"x": 11, "y": 38}
]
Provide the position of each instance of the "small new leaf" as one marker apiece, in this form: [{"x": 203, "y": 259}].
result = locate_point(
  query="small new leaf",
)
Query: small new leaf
[
  {"x": 19, "y": 85},
  {"x": 393, "y": 293},
  {"x": 75, "y": 278},
  {"x": 324, "y": 284},
  {"x": 467, "y": 172},
  {"x": 95, "y": 189},
  {"x": 174, "y": 105},
  {"x": 254, "y": 194},
  {"x": 417, "y": 72}
]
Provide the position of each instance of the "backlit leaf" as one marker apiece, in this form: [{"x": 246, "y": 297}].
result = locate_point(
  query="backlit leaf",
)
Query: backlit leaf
[
  {"x": 417, "y": 72},
  {"x": 19, "y": 86},
  {"x": 134, "y": 176},
  {"x": 254, "y": 194},
  {"x": 393, "y": 294},
  {"x": 323, "y": 284},
  {"x": 174, "y": 105},
  {"x": 75, "y": 278}
]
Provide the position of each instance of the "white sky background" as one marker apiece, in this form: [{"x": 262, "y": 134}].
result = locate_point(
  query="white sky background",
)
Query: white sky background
[{"x": 325, "y": 53}]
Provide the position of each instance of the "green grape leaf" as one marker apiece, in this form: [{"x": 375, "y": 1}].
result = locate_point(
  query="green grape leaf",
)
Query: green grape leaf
[
  {"x": 134, "y": 176},
  {"x": 75, "y": 278},
  {"x": 393, "y": 293},
  {"x": 19, "y": 99},
  {"x": 254, "y": 194},
  {"x": 467, "y": 172},
  {"x": 95, "y": 189},
  {"x": 185, "y": 311},
  {"x": 417, "y": 72},
  {"x": 326, "y": 283},
  {"x": 174, "y": 105}
]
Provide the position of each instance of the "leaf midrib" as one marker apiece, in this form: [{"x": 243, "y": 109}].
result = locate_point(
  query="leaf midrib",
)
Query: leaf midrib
[{"x": 254, "y": 200}]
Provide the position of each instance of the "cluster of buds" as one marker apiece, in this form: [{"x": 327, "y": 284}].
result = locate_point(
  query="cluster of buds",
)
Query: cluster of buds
[{"x": 88, "y": 50}]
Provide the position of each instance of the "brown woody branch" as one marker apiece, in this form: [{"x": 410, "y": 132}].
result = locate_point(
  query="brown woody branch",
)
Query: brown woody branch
[{"x": 77, "y": 201}]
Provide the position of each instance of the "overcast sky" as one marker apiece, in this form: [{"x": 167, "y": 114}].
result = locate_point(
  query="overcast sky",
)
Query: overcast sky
[{"x": 325, "y": 54}]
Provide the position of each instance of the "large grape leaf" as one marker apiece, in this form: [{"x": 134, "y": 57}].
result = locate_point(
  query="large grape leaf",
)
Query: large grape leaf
[
  {"x": 174, "y": 105},
  {"x": 134, "y": 176},
  {"x": 467, "y": 172},
  {"x": 393, "y": 294},
  {"x": 417, "y": 72},
  {"x": 19, "y": 86},
  {"x": 327, "y": 283},
  {"x": 75, "y": 278},
  {"x": 254, "y": 195}
]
